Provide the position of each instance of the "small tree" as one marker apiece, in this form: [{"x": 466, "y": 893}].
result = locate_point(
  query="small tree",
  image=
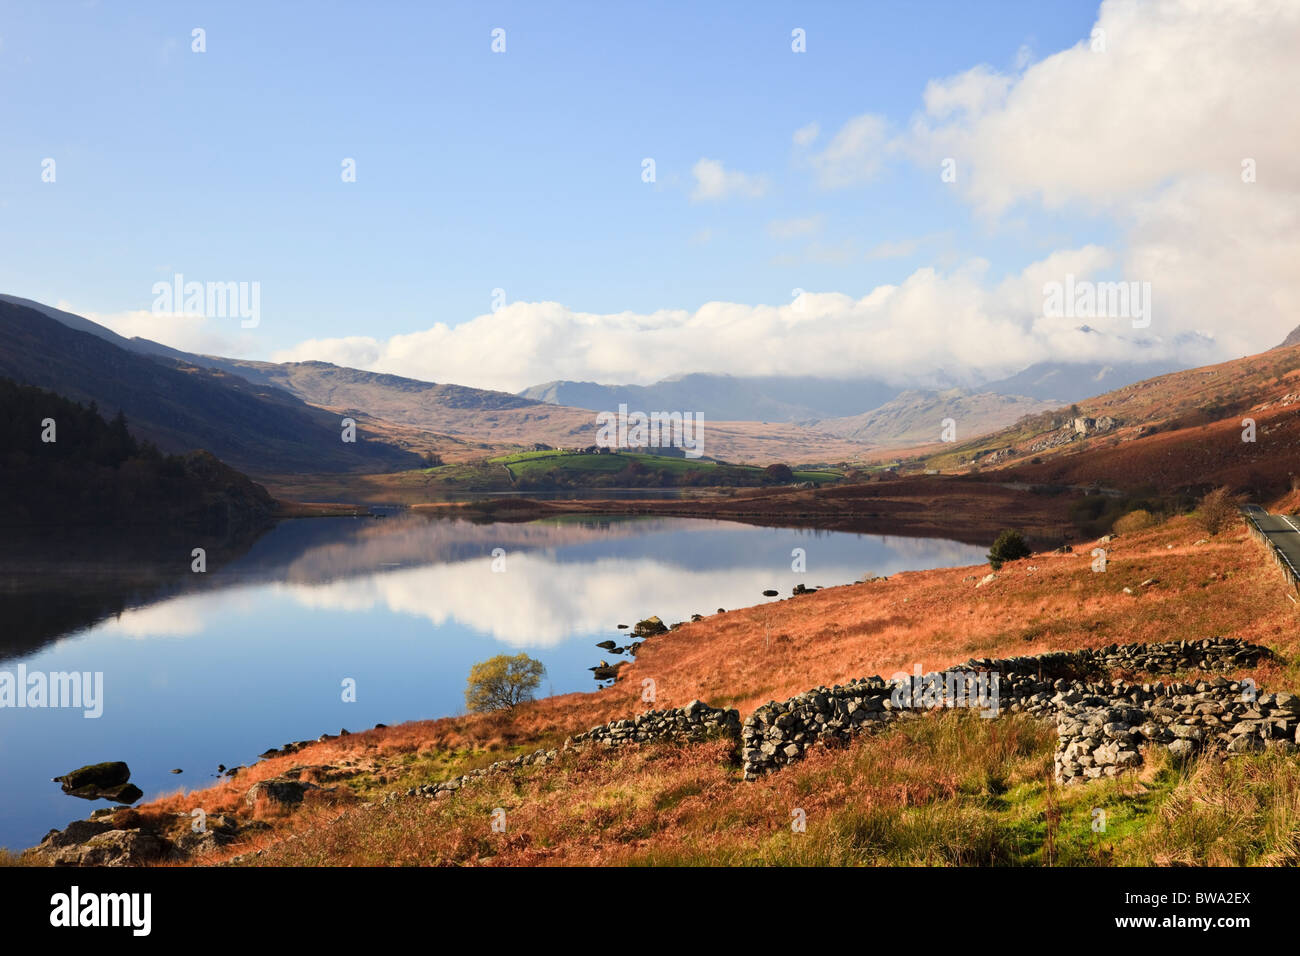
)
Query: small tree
[
  {"x": 779, "y": 473},
  {"x": 1137, "y": 520},
  {"x": 1010, "y": 546},
  {"x": 502, "y": 682},
  {"x": 1217, "y": 510}
]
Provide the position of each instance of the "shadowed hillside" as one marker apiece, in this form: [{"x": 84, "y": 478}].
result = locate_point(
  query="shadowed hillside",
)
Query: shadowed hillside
[
  {"x": 180, "y": 407},
  {"x": 95, "y": 472}
]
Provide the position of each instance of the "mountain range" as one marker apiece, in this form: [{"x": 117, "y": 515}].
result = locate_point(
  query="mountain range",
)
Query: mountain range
[
  {"x": 269, "y": 418},
  {"x": 806, "y": 399},
  {"x": 916, "y": 417}
]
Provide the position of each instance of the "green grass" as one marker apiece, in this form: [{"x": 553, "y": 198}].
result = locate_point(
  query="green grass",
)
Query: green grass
[
  {"x": 1240, "y": 812},
  {"x": 542, "y": 464},
  {"x": 1003, "y": 808},
  {"x": 483, "y": 475},
  {"x": 543, "y": 470},
  {"x": 417, "y": 768}
]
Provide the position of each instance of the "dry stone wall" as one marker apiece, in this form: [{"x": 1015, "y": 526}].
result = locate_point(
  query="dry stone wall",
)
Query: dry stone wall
[
  {"x": 1045, "y": 685},
  {"x": 1102, "y": 724},
  {"x": 696, "y": 721},
  {"x": 1101, "y": 735}
]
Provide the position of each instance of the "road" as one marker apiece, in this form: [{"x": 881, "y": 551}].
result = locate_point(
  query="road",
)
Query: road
[{"x": 1283, "y": 531}]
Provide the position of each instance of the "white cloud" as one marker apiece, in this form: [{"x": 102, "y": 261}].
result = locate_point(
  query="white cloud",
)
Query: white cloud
[
  {"x": 975, "y": 90},
  {"x": 714, "y": 181},
  {"x": 954, "y": 320},
  {"x": 542, "y": 602},
  {"x": 1183, "y": 88},
  {"x": 178, "y": 617},
  {"x": 893, "y": 249},
  {"x": 187, "y": 332},
  {"x": 1152, "y": 133},
  {"x": 794, "y": 228},
  {"x": 356, "y": 351},
  {"x": 853, "y": 156},
  {"x": 806, "y": 135}
]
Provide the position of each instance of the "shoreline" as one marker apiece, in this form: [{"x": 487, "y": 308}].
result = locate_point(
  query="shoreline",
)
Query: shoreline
[{"x": 954, "y": 508}]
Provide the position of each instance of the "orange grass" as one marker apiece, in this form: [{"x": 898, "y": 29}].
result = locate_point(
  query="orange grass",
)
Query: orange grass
[{"x": 663, "y": 804}]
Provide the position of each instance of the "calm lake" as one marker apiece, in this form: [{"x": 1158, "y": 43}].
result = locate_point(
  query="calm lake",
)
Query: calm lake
[{"x": 214, "y": 668}]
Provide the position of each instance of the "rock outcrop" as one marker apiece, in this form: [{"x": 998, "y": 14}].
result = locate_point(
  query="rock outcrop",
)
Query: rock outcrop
[
  {"x": 650, "y": 627},
  {"x": 101, "y": 781},
  {"x": 282, "y": 791}
]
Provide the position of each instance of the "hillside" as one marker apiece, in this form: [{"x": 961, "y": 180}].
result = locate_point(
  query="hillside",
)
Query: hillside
[
  {"x": 1177, "y": 432},
  {"x": 1060, "y": 382},
  {"x": 464, "y": 423},
  {"x": 916, "y": 417},
  {"x": 800, "y": 398},
  {"x": 272, "y": 419},
  {"x": 268, "y": 418},
  {"x": 493, "y": 418},
  {"x": 181, "y": 407},
  {"x": 95, "y": 473}
]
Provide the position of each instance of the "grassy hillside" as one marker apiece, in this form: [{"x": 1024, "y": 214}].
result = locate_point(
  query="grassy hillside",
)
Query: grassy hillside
[
  {"x": 628, "y": 469},
  {"x": 1180, "y": 432}
]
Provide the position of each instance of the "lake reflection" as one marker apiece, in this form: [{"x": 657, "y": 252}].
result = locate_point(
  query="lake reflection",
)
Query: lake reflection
[{"x": 201, "y": 669}]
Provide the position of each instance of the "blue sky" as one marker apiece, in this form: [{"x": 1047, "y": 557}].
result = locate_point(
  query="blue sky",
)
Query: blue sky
[{"x": 477, "y": 171}]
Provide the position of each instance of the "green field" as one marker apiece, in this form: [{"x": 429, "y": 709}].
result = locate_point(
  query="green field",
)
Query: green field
[{"x": 530, "y": 466}]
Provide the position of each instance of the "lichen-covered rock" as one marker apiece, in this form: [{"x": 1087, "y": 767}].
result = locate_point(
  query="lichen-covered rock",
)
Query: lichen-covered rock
[
  {"x": 278, "y": 790},
  {"x": 79, "y": 846},
  {"x": 650, "y": 627}
]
